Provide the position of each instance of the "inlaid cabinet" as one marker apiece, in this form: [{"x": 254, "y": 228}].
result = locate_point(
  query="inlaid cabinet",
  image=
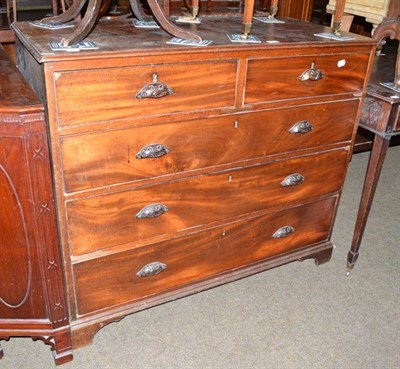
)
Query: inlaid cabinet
[{"x": 32, "y": 289}]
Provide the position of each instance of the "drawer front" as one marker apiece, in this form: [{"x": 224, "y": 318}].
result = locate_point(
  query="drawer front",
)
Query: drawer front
[
  {"x": 108, "y": 158},
  {"x": 101, "y": 95},
  {"x": 109, "y": 220},
  {"x": 113, "y": 280},
  {"x": 278, "y": 79}
]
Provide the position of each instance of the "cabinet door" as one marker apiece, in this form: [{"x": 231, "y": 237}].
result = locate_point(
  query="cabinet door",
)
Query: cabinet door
[{"x": 21, "y": 290}]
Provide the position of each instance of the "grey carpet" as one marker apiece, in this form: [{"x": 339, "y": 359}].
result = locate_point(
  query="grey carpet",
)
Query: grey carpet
[{"x": 293, "y": 317}]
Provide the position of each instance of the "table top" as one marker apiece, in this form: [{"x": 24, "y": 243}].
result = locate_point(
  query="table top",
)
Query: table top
[{"x": 118, "y": 37}]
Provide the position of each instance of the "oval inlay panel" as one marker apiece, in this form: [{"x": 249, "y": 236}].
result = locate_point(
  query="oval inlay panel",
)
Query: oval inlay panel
[{"x": 15, "y": 262}]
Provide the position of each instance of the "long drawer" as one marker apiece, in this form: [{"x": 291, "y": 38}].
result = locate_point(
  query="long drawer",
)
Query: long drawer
[
  {"x": 279, "y": 79},
  {"x": 114, "y": 280},
  {"x": 104, "y": 95},
  {"x": 131, "y": 216},
  {"x": 107, "y": 158}
]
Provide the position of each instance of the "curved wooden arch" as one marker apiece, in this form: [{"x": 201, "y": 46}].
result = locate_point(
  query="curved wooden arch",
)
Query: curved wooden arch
[{"x": 390, "y": 28}]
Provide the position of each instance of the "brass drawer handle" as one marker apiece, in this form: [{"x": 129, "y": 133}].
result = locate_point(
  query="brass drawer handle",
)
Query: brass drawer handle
[
  {"x": 311, "y": 74},
  {"x": 151, "y": 269},
  {"x": 283, "y": 232},
  {"x": 293, "y": 180},
  {"x": 302, "y": 127},
  {"x": 154, "y": 90},
  {"x": 153, "y": 151},
  {"x": 152, "y": 211}
]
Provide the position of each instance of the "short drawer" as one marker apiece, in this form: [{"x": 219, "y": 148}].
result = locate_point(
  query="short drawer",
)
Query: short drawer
[
  {"x": 114, "y": 280},
  {"x": 102, "y": 95},
  {"x": 279, "y": 79},
  {"x": 161, "y": 210},
  {"x": 107, "y": 158}
]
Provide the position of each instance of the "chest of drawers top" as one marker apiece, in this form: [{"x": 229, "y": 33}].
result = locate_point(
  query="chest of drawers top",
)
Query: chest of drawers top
[{"x": 119, "y": 38}]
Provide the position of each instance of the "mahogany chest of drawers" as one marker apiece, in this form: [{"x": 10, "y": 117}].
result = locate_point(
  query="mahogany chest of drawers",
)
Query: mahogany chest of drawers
[{"x": 180, "y": 168}]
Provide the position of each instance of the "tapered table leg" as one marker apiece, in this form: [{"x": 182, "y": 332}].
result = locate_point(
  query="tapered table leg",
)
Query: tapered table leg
[
  {"x": 379, "y": 150},
  {"x": 247, "y": 18},
  {"x": 195, "y": 8}
]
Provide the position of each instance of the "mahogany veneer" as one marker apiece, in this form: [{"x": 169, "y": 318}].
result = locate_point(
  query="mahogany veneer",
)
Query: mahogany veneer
[{"x": 246, "y": 162}]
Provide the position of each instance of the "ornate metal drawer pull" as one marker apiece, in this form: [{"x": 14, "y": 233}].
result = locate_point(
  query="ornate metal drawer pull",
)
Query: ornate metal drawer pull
[
  {"x": 151, "y": 269},
  {"x": 303, "y": 126},
  {"x": 152, "y": 211},
  {"x": 283, "y": 232},
  {"x": 311, "y": 74},
  {"x": 154, "y": 90},
  {"x": 152, "y": 151},
  {"x": 293, "y": 180}
]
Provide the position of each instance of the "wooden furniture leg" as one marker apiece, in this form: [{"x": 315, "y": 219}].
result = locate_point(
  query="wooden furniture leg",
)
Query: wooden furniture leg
[
  {"x": 72, "y": 12},
  {"x": 86, "y": 24},
  {"x": 338, "y": 16},
  {"x": 391, "y": 28},
  {"x": 379, "y": 149},
  {"x": 170, "y": 27},
  {"x": 274, "y": 8},
  {"x": 63, "y": 8},
  {"x": 166, "y": 5},
  {"x": 195, "y": 8},
  {"x": 247, "y": 18},
  {"x": 54, "y": 5},
  {"x": 138, "y": 12},
  {"x": 384, "y": 126},
  {"x": 92, "y": 11},
  {"x": 14, "y": 10}
]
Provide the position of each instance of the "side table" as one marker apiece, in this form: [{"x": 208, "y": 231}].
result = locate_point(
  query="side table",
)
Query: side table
[{"x": 381, "y": 117}]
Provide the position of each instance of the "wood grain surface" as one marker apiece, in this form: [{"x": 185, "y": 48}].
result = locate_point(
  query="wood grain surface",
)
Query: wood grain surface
[
  {"x": 109, "y": 94},
  {"x": 104, "y": 282},
  {"x": 109, "y": 158},
  {"x": 278, "y": 79},
  {"x": 105, "y": 221}
]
